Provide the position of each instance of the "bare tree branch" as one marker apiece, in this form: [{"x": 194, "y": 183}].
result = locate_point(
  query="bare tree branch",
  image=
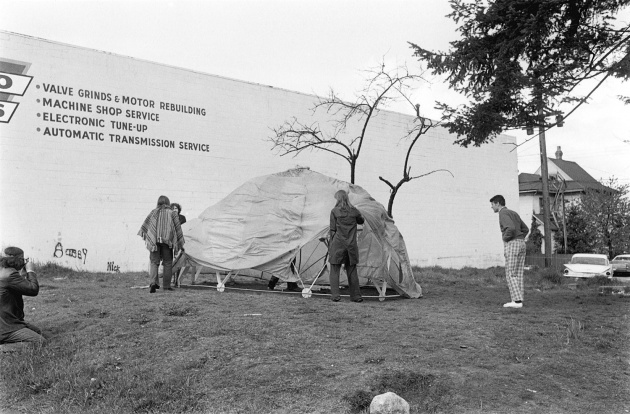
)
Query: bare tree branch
[
  {"x": 381, "y": 88},
  {"x": 431, "y": 172},
  {"x": 421, "y": 127}
]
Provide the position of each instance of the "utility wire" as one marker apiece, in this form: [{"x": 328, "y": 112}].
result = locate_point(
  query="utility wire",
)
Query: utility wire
[{"x": 583, "y": 100}]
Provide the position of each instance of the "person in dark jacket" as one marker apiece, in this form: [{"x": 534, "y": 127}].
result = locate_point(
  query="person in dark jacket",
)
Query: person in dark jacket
[
  {"x": 513, "y": 232},
  {"x": 162, "y": 234},
  {"x": 343, "y": 248},
  {"x": 178, "y": 209},
  {"x": 175, "y": 281},
  {"x": 17, "y": 278}
]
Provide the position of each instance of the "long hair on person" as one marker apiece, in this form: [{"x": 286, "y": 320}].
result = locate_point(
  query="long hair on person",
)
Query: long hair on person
[
  {"x": 342, "y": 199},
  {"x": 163, "y": 202}
]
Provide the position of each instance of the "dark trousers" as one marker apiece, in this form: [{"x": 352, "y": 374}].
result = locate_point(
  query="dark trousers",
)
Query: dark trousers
[
  {"x": 353, "y": 280},
  {"x": 163, "y": 254},
  {"x": 30, "y": 333}
]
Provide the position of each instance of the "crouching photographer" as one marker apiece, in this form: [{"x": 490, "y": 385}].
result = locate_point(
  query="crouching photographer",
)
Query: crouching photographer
[{"x": 17, "y": 278}]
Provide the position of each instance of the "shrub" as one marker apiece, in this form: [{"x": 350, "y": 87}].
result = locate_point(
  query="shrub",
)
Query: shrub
[{"x": 551, "y": 275}]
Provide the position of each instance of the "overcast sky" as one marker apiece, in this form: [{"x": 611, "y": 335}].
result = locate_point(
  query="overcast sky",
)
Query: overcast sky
[{"x": 312, "y": 46}]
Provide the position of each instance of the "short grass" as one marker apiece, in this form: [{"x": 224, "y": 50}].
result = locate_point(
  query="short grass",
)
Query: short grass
[{"x": 115, "y": 349}]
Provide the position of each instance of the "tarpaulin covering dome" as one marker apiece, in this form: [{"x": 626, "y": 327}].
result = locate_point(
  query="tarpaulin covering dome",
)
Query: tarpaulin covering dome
[{"x": 277, "y": 224}]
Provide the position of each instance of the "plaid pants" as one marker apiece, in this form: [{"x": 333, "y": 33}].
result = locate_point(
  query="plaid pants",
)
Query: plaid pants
[{"x": 514, "y": 251}]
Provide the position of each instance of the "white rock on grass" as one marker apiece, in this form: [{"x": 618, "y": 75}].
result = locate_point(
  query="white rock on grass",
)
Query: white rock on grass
[{"x": 389, "y": 403}]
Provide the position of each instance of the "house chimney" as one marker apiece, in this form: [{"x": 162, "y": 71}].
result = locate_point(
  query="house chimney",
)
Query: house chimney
[{"x": 558, "y": 154}]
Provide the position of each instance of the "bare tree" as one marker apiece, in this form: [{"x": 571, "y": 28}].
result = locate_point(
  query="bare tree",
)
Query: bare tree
[
  {"x": 382, "y": 87},
  {"x": 421, "y": 126}
]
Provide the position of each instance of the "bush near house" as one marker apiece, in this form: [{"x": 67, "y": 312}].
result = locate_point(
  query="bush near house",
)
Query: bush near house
[{"x": 534, "y": 238}]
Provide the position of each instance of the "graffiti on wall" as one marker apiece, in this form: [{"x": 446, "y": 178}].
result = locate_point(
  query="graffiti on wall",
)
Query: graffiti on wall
[
  {"x": 80, "y": 254},
  {"x": 111, "y": 267}
]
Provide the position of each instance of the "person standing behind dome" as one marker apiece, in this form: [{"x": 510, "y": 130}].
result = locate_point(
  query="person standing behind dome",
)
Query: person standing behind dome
[
  {"x": 178, "y": 273},
  {"x": 343, "y": 248},
  {"x": 178, "y": 209}
]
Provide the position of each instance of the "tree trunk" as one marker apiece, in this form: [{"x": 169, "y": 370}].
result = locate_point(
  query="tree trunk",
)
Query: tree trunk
[
  {"x": 544, "y": 173},
  {"x": 390, "y": 204}
]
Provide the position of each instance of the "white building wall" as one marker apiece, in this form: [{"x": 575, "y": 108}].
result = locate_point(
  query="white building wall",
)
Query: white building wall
[
  {"x": 80, "y": 202},
  {"x": 528, "y": 206}
]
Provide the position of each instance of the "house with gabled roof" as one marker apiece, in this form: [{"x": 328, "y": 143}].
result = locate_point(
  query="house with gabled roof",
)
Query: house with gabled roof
[{"x": 567, "y": 183}]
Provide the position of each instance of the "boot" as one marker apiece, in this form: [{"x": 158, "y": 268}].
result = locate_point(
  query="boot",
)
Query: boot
[
  {"x": 272, "y": 283},
  {"x": 293, "y": 287}
]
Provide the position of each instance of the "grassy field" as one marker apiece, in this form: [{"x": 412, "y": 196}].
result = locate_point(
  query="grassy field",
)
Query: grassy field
[{"x": 115, "y": 349}]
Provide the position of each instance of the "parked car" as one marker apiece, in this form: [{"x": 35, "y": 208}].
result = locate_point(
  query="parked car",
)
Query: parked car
[
  {"x": 621, "y": 265},
  {"x": 588, "y": 265}
]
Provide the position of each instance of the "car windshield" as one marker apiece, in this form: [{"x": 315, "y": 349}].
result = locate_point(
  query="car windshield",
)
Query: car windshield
[
  {"x": 589, "y": 260},
  {"x": 624, "y": 258}
]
